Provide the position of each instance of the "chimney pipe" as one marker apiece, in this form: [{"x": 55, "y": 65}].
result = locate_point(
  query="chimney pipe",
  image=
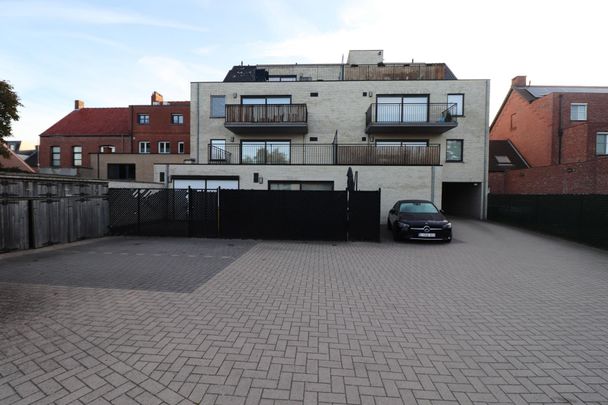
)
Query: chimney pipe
[
  {"x": 518, "y": 81},
  {"x": 157, "y": 98},
  {"x": 78, "y": 104}
]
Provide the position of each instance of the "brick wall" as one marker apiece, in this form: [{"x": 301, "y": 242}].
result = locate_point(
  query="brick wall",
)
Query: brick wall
[
  {"x": 90, "y": 144},
  {"x": 160, "y": 127},
  {"x": 589, "y": 177}
]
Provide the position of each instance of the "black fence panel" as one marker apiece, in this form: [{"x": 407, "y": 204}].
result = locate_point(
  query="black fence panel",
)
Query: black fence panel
[
  {"x": 583, "y": 218},
  {"x": 364, "y": 215},
  {"x": 281, "y": 214},
  {"x": 163, "y": 212}
]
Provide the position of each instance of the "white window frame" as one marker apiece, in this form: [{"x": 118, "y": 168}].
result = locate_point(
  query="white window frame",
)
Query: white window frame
[
  {"x": 111, "y": 148},
  {"x": 579, "y": 113},
  {"x": 144, "y": 147},
  {"x": 181, "y": 147},
  {"x": 164, "y": 147},
  {"x": 55, "y": 156},
  {"x": 77, "y": 155}
]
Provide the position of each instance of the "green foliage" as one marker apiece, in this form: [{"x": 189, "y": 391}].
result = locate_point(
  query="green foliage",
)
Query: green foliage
[{"x": 9, "y": 103}]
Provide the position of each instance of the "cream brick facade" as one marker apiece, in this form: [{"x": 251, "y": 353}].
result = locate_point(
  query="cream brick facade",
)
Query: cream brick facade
[{"x": 340, "y": 106}]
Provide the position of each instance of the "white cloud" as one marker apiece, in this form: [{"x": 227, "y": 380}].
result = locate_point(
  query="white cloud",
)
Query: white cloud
[{"x": 87, "y": 15}]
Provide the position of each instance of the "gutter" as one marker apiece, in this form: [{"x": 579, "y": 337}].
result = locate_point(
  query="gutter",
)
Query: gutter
[{"x": 486, "y": 155}]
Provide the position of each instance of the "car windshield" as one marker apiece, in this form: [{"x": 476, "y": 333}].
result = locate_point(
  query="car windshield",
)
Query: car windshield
[{"x": 417, "y": 208}]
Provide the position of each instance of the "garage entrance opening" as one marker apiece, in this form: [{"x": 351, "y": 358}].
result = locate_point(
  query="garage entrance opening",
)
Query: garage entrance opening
[{"x": 462, "y": 199}]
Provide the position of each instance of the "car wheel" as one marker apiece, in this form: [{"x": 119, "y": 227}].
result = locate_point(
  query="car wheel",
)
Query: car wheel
[{"x": 388, "y": 224}]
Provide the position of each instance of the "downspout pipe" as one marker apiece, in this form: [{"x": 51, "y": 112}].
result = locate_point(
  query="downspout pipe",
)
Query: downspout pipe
[{"x": 560, "y": 132}]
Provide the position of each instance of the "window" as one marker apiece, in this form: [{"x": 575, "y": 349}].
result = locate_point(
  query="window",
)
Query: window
[
  {"x": 578, "y": 112},
  {"x": 458, "y": 100},
  {"x": 107, "y": 149},
  {"x": 282, "y": 78},
  {"x": 218, "y": 106},
  {"x": 177, "y": 119},
  {"x": 143, "y": 119},
  {"x": 265, "y": 152},
  {"x": 218, "y": 149},
  {"x": 164, "y": 147},
  {"x": 266, "y": 100},
  {"x": 76, "y": 156},
  {"x": 503, "y": 160},
  {"x": 181, "y": 149},
  {"x": 402, "y": 108},
  {"x": 55, "y": 156},
  {"x": 122, "y": 171},
  {"x": 601, "y": 143},
  {"x": 161, "y": 177},
  {"x": 453, "y": 150},
  {"x": 144, "y": 147},
  {"x": 301, "y": 185}
]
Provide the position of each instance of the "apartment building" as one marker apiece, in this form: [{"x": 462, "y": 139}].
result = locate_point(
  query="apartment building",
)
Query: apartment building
[
  {"x": 120, "y": 143},
  {"x": 561, "y": 132},
  {"x": 412, "y": 130}
]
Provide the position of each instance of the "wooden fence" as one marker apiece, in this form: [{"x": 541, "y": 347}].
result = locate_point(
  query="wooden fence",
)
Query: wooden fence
[{"x": 37, "y": 211}]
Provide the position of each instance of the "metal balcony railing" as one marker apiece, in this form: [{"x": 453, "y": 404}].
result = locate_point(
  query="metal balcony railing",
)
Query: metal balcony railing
[
  {"x": 411, "y": 114},
  {"x": 286, "y": 153}
]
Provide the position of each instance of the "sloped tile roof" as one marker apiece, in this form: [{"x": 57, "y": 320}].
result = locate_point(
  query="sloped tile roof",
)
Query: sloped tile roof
[{"x": 92, "y": 121}]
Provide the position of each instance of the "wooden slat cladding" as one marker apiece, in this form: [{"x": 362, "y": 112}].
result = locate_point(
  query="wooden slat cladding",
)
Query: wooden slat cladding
[{"x": 266, "y": 114}]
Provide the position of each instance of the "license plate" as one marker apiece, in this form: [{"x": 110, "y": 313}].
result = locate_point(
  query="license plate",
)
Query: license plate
[{"x": 426, "y": 235}]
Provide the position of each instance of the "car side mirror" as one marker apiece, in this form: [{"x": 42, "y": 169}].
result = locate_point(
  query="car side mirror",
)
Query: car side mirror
[{"x": 392, "y": 211}]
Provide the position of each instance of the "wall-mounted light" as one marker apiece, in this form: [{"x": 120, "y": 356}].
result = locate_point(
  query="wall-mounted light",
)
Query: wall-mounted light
[
  {"x": 261, "y": 180},
  {"x": 232, "y": 139},
  {"x": 571, "y": 170},
  {"x": 234, "y": 95}
]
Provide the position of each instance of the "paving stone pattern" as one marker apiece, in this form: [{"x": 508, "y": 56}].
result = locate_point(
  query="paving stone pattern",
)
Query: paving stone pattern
[{"x": 498, "y": 316}]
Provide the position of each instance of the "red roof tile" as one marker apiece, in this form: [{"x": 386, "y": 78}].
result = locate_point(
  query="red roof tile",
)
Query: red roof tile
[{"x": 92, "y": 121}]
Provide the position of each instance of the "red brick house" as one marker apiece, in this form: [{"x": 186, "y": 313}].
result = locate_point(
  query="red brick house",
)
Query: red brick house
[
  {"x": 562, "y": 134},
  {"x": 117, "y": 143}
]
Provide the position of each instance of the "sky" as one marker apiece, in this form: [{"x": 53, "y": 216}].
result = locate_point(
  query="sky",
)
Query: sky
[{"x": 115, "y": 53}]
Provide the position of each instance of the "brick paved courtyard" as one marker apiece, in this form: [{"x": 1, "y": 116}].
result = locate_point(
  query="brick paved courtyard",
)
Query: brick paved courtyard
[{"x": 498, "y": 316}]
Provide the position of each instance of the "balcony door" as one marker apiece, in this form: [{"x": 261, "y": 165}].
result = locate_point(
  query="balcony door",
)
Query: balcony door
[{"x": 402, "y": 108}]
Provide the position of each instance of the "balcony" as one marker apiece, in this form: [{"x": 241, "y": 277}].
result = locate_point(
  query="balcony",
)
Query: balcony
[
  {"x": 273, "y": 119},
  {"x": 403, "y": 118},
  {"x": 286, "y": 153}
]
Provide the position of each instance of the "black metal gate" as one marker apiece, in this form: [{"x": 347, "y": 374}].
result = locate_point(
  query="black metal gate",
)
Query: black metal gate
[
  {"x": 246, "y": 214},
  {"x": 364, "y": 215}
]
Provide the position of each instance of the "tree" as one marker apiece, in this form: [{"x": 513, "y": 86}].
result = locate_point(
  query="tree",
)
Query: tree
[{"x": 9, "y": 102}]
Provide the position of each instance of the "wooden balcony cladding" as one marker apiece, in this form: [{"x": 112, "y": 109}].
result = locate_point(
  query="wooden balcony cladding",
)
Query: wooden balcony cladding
[
  {"x": 398, "y": 72},
  {"x": 414, "y": 118},
  {"x": 248, "y": 119}
]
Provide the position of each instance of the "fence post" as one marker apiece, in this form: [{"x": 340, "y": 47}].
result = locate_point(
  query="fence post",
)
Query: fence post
[
  {"x": 189, "y": 211},
  {"x": 30, "y": 224},
  {"x": 138, "y": 211},
  {"x": 217, "y": 214}
]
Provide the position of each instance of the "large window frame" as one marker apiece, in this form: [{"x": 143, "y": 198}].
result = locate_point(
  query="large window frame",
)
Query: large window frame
[
  {"x": 578, "y": 112},
  {"x": 181, "y": 147},
  {"x": 217, "y": 149},
  {"x": 459, "y": 103},
  {"x": 257, "y": 152},
  {"x": 601, "y": 144},
  {"x": 217, "y": 107},
  {"x": 402, "y": 108},
  {"x": 77, "y": 155},
  {"x": 454, "y": 158}
]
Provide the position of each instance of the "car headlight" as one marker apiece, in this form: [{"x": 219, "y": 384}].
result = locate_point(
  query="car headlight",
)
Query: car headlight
[
  {"x": 447, "y": 226},
  {"x": 404, "y": 226}
]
